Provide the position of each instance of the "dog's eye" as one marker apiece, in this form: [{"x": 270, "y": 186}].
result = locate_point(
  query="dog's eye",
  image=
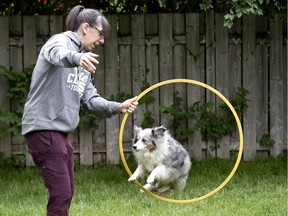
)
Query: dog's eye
[{"x": 144, "y": 140}]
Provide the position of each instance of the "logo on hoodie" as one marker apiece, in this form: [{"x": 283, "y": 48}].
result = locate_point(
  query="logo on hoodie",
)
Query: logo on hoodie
[{"x": 77, "y": 82}]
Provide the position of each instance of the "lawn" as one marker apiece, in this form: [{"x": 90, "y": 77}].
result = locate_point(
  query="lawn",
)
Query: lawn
[{"x": 258, "y": 188}]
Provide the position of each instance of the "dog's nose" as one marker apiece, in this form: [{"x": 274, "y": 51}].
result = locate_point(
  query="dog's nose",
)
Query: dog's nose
[{"x": 134, "y": 147}]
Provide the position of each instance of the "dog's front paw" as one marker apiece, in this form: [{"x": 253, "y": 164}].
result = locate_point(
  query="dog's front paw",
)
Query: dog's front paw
[
  {"x": 132, "y": 178},
  {"x": 151, "y": 179},
  {"x": 149, "y": 187}
]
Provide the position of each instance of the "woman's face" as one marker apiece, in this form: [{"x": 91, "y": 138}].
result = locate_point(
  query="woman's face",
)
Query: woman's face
[{"x": 90, "y": 36}]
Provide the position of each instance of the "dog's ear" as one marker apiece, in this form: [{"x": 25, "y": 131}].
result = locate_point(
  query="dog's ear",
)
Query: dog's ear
[
  {"x": 158, "y": 132},
  {"x": 137, "y": 130}
]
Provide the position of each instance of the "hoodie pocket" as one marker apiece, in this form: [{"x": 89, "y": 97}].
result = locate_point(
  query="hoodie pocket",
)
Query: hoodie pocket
[{"x": 67, "y": 120}]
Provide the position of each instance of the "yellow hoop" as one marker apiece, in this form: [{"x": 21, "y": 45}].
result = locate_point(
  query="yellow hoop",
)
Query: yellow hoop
[{"x": 240, "y": 138}]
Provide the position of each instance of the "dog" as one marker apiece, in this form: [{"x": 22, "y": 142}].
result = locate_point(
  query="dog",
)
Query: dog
[{"x": 160, "y": 157}]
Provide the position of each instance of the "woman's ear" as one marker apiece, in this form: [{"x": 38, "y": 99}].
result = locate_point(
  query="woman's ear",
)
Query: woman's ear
[{"x": 84, "y": 28}]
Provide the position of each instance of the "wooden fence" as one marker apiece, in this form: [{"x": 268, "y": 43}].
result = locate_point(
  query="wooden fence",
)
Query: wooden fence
[{"x": 156, "y": 47}]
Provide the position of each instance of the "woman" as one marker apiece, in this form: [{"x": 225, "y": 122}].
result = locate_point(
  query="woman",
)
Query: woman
[{"x": 58, "y": 86}]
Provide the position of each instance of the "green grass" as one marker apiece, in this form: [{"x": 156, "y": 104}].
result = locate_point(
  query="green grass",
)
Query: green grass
[{"x": 258, "y": 188}]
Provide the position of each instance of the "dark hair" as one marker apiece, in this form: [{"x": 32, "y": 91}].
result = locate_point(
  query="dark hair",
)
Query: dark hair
[{"x": 79, "y": 15}]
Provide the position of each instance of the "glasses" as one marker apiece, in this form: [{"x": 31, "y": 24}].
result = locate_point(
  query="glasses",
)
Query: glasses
[{"x": 100, "y": 32}]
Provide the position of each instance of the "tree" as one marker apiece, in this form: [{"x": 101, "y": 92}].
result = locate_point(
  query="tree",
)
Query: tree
[
  {"x": 232, "y": 9},
  {"x": 237, "y": 8}
]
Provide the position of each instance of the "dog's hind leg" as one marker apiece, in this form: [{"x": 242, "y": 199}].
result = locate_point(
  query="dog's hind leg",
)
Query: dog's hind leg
[
  {"x": 180, "y": 183},
  {"x": 163, "y": 189},
  {"x": 160, "y": 173}
]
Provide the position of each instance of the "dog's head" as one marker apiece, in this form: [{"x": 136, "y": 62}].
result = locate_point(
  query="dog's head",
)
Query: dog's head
[{"x": 146, "y": 139}]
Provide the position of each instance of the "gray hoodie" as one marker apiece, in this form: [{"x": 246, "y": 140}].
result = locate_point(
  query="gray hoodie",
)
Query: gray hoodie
[{"x": 58, "y": 86}]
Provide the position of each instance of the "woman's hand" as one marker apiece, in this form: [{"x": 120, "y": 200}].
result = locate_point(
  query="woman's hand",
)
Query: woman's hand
[
  {"x": 88, "y": 61},
  {"x": 129, "y": 105}
]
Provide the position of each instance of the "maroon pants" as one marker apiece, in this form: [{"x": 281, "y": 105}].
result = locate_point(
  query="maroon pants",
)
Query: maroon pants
[{"x": 53, "y": 155}]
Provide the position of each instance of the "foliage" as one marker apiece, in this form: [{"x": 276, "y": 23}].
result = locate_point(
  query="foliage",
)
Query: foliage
[
  {"x": 148, "y": 98},
  {"x": 34, "y": 7},
  {"x": 148, "y": 120},
  {"x": 88, "y": 120},
  {"x": 181, "y": 114},
  {"x": 214, "y": 123},
  {"x": 266, "y": 140},
  {"x": 18, "y": 88},
  {"x": 120, "y": 97},
  {"x": 232, "y": 9},
  {"x": 254, "y": 7}
]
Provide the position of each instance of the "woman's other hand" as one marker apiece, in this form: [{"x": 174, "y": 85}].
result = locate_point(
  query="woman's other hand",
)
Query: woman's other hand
[{"x": 88, "y": 61}]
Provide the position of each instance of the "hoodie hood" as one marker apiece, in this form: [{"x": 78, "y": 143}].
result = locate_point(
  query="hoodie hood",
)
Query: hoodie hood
[{"x": 74, "y": 38}]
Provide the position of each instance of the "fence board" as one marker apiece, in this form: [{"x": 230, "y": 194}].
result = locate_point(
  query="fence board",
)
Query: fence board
[
  {"x": 249, "y": 83},
  {"x": 276, "y": 85},
  {"x": 74, "y": 139},
  {"x": 85, "y": 147},
  {"x": 222, "y": 78},
  {"x": 42, "y": 25},
  {"x": 5, "y": 142},
  {"x": 179, "y": 66},
  {"x": 16, "y": 64},
  {"x": 261, "y": 101},
  {"x": 29, "y": 53},
  {"x": 165, "y": 64},
  {"x": 42, "y": 31},
  {"x": 125, "y": 73},
  {"x": 16, "y": 48},
  {"x": 285, "y": 80},
  {"x": 138, "y": 61},
  {"x": 234, "y": 58},
  {"x": 202, "y": 75},
  {"x": 152, "y": 64},
  {"x": 192, "y": 66},
  {"x": 99, "y": 133},
  {"x": 235, "y": 71},
  {"x": 210, "y": 68},
  {"x": 111, "y": 88},
  {"x": 56, "y": 24},
  {"x": 29, "y": 39}
]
